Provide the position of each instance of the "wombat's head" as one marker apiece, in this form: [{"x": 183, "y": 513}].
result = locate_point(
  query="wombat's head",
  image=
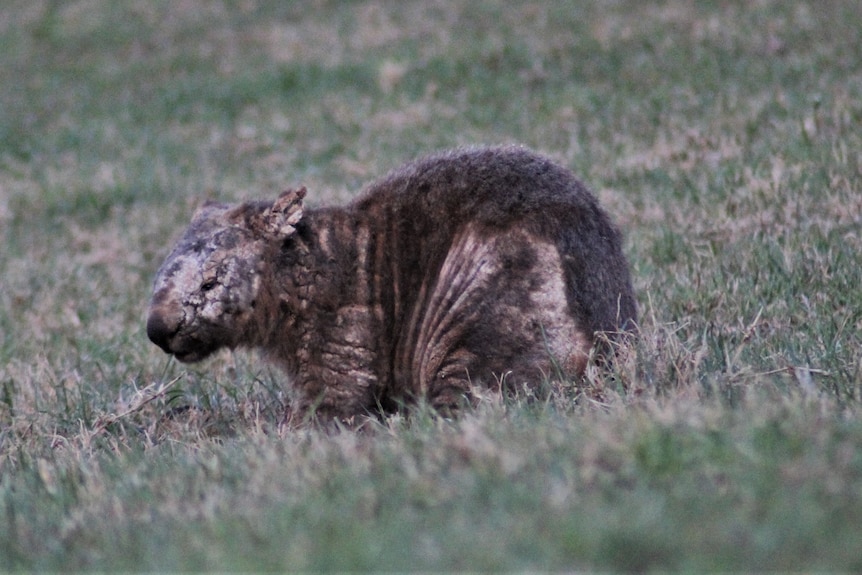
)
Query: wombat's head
[{"x": 206, "y": 291}]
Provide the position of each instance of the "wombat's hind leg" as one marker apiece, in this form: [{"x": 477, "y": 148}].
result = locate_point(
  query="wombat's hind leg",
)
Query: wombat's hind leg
[{"x": 448, "y": 396}]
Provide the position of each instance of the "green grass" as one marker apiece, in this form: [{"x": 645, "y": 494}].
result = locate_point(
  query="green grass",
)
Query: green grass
[{"x": 723, "y": 137}]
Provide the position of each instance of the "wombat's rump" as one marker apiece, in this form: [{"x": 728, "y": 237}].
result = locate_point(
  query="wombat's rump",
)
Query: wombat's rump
[{"x": 478, "y": 267}]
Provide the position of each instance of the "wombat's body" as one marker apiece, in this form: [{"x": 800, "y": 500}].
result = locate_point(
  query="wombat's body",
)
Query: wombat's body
[{"x": 475, "y": 267}]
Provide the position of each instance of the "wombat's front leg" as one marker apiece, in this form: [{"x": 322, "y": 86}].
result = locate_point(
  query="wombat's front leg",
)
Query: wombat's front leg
[
  {"x": 336, "y": 377},
  {"x": 333, "y": 396}
]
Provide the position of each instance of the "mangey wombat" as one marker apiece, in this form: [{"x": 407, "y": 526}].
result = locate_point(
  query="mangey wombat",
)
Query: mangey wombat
[{"x": 485, "y": 267}]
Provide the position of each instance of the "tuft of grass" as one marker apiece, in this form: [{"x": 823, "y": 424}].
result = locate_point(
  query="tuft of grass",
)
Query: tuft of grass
[{"x": 722, "y": 137}]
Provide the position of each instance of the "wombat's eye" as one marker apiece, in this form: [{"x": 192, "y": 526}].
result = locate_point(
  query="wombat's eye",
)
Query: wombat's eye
[{"x": 208, "y": 285}]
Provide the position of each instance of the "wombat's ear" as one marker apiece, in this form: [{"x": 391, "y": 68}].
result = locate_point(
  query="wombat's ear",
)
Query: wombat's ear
[
  {"x": 279, "y": 220},
  {"x": 205, "y": 207}
]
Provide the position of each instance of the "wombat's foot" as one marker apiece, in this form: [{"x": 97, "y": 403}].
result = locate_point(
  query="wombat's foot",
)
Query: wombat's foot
[{"x": 451, "y": 398}]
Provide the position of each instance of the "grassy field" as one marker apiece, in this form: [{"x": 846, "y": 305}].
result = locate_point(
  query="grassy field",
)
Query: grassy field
[{"x": 725, "y": 139}]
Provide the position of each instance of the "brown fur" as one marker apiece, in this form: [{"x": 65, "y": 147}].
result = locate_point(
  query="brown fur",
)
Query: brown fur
[{"x": 473, "y": 267}]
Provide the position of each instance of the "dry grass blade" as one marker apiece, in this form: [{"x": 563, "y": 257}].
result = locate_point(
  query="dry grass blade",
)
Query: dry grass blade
[{"x": 141, "y": 398}]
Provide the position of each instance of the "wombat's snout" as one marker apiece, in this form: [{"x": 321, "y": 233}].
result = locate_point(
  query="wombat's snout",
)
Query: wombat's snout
[{"x": 159, "y": 332}]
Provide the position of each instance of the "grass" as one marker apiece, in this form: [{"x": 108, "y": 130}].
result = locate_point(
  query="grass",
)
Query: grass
[{"x": 724, "y": 139}]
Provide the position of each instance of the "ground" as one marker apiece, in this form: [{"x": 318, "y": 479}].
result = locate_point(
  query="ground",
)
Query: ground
[{"x": 723, "y": 138}]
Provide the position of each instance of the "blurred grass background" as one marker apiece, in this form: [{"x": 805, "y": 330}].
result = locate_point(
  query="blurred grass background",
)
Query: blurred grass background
[{"x": 723, "y": 137}]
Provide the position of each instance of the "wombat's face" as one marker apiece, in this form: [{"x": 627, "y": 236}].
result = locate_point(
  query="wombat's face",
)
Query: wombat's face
[{"x": 206, "y": 292}]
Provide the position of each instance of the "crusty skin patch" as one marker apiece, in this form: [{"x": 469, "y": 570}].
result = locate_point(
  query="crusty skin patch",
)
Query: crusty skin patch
[
  {"x": 456, "y": 327},
  {"x": 486, "y": 267}
]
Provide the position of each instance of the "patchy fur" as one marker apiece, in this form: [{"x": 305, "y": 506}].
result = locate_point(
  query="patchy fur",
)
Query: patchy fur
[{"x": 474, "y": 267}]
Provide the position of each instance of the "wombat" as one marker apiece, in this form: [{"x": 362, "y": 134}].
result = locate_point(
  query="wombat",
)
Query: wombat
[{"x": 490, "y": 267}]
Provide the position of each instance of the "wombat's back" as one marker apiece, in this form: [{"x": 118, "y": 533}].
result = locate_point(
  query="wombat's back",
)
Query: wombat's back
[{"x": 428, "y": 202}]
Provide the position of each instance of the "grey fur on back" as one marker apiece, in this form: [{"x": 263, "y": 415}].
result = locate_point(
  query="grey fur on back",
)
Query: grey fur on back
[{"x": 490, "y": 267}]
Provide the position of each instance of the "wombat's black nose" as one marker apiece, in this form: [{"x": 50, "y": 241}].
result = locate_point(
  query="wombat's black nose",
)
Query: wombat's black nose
[{"x": 159, "y": 332}]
